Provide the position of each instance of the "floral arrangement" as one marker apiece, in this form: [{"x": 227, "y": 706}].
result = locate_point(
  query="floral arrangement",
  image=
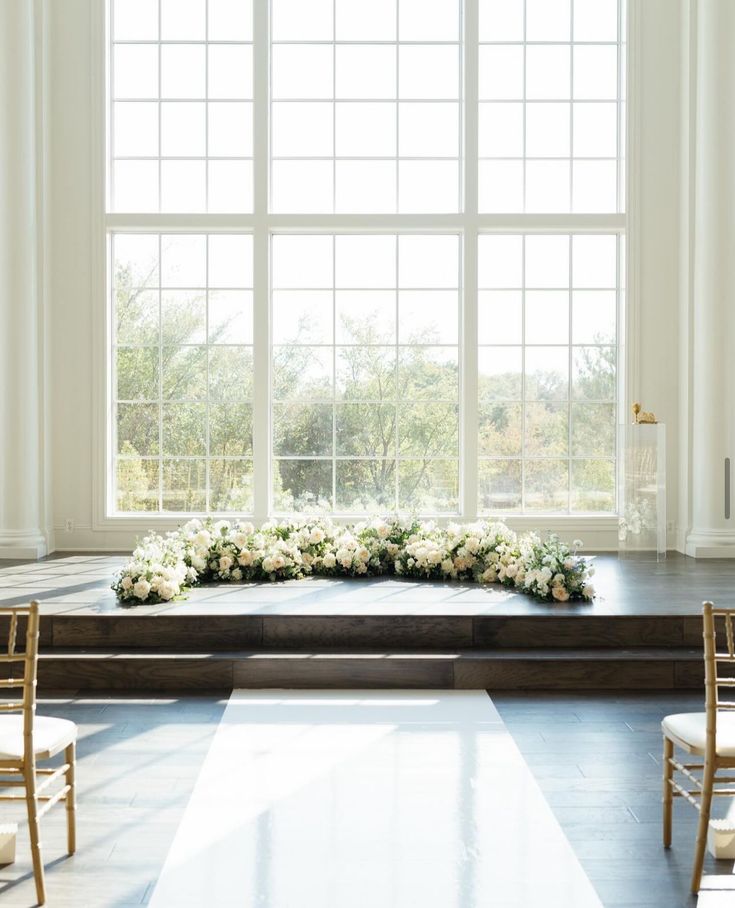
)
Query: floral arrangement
[{"x": 163, "y": 568}]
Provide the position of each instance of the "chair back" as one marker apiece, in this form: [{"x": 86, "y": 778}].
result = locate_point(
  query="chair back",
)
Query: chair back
[
  {"x": 25, "y": 681},
  {"x": 715, "y": 661}
]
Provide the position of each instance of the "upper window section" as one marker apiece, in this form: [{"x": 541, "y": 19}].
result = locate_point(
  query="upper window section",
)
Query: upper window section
[
  {"x": 180, "y": 125},
  {"x": 365, "y": 106},
  {"x": 551, "y": 113}
]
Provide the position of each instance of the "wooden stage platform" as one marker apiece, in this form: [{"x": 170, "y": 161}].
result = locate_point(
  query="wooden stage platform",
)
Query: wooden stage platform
[{"x": 643, "y": 632}]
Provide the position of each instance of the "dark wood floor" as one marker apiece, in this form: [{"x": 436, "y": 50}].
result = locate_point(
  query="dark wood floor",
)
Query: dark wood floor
[
  {"x": 595, "y": 756},
  {"x": 597, "y": 759}
]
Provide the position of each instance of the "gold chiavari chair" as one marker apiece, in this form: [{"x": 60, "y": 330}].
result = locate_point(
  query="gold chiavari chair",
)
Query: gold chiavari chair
[
  {"x": 26, "y": 739},
  {"x": 709, "y": 735}
]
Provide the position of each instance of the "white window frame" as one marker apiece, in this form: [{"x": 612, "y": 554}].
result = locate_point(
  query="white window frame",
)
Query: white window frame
[{"x": 261, "y": 224}]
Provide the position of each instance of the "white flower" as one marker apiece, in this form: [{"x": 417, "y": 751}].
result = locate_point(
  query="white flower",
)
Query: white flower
[
  {"x": 316, "y": 536},
  {"x": 588, "y": 591},
  {"x": 447, "y": 566},
  {"x": 245, "y": 558},
  {"x": 511, "y": 570},
  {"x": 141, "y": 589},
  {"x": 237, "y": 574},
  {"x": 127, "y": 583},
  {"x": 560, "y": 593},
  {"x": 329, "y": 561},
  {"x": 225, "y": 563},
  {"x": 268, "y": 565},
  {"x": 577, "y": 544},
  {"x": 167, "y": 590}
]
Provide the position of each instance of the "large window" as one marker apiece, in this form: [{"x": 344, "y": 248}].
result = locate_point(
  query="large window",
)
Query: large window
[{"x": 364, "y": 256}]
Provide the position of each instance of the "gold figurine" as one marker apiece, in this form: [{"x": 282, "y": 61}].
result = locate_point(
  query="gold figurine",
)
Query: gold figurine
[{"x": 641, "y": 417}]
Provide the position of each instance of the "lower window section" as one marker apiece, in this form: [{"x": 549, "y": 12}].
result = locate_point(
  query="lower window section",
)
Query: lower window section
[
  {"x": 547, "y": 372},
  {"x": 182, "y": 372},
  {"x": 365, "y": 373}
]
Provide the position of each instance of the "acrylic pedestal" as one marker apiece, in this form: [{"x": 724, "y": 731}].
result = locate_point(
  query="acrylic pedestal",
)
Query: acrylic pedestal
[{"x": 642, "y": 483}]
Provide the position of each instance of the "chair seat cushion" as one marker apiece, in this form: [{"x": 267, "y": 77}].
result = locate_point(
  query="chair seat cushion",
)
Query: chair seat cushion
[
  {"x": 49, "y": 736},
  {"x": 691, "y": 728}
]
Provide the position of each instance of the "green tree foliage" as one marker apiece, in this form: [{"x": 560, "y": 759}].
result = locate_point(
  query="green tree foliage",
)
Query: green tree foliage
[{"x": 391, "y": 420}]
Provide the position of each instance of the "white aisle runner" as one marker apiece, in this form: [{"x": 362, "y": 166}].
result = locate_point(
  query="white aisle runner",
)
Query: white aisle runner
[{"x": 358, "y": 799}]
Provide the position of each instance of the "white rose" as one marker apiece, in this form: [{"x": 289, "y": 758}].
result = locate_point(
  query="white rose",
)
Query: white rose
[
  {"x": 167, "y": 590},
  {"x": 447, "y": 566},
  {"x": 245, "y": 558},
  {"x": 225, "y": 563},
  {"x": 560, "y": 593},
  {"x": 472, "y": 545},
  {"x": 488, "y": 576},
  {"x": 268, "y": 565},
  {"x": 198, "y": 563},
  {"x": 141, "y": 589},
  {"x": 383, "y": 531},
  {"x": 329, "y": 561},
  {"x": 240, "y": 540},
  {"x": 588, "y": 591},
  {"x": 278, "y": 562},
  {"x": 511, "y": 570},
  {"x": 237, "y": 574},
  {"x": 363, "y": 554},
  {"x": 127, "y": 583},
  {"x": 316, "y": 536}
]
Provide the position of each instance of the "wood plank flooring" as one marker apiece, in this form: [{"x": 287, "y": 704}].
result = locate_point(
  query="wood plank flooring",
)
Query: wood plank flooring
[{"x": 595, "y": 756}]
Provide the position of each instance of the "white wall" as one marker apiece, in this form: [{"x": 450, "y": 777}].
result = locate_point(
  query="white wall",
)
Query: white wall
[{"x": 74, "y": 298}]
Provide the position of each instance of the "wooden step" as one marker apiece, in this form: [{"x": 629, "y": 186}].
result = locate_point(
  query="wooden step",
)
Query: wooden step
[
  {"x": 200, "y": 628},
  {"x": 473, "y": 669}
]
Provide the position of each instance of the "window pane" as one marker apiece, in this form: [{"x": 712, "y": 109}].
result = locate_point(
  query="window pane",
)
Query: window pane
[
  {"x": 370, "y": 416},
  {"x": 198, "y": 93},
  {"x": 184, "y": 352},
  {"x": 547, "y": 372},
  {"x": 373, "y": 120},
  {"x": 531, "y": 65}
]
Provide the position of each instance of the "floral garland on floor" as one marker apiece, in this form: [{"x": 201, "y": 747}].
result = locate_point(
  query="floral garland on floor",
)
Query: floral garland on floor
[{"x": 163, "y": 568}]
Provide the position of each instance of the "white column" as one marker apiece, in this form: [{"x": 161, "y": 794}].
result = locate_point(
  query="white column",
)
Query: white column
[
  {"x": 713, "y": 303},
  {"x": 20, "y": 373}
]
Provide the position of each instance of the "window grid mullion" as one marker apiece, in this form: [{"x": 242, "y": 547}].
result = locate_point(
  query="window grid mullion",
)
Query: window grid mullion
[
  {"x": 468, "y": 295},
  {"x": 262, "y": 471}
]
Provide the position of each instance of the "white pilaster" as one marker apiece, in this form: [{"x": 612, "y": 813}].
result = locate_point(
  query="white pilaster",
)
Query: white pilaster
[
  {"x": 21, "y": 497},
  {"x": 713, "y": 299}
]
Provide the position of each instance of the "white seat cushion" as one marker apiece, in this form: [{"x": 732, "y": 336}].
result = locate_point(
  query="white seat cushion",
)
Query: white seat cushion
[
  {"x": 691, "y": 728},
  {"x": 49, "y": 736}
]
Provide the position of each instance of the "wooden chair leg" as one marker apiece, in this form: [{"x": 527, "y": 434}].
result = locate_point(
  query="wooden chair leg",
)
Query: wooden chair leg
[
  {"x": 71, "y": 804},
  {"x": 668, "y": 795},
  {"x": 703, "y": 825},
  {"x": 35, "y": 833}
]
